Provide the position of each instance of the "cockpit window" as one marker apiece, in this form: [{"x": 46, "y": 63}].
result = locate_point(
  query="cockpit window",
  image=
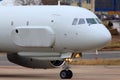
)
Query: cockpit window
[
  {"x": 91, "y": 21},
  {"x": 75, "y": 21},
  {"x": 98, "y": 20},
  {"x": 81, "y": 21}
]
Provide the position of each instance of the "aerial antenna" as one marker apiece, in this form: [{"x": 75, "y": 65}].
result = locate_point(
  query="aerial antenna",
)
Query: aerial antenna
[{"x": 58, "y": 2}]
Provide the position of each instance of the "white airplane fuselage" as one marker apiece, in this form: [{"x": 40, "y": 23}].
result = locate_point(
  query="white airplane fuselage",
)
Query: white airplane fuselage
[
  {"x": 49, "y": 29},
  {"x": 49, "y": 36}
]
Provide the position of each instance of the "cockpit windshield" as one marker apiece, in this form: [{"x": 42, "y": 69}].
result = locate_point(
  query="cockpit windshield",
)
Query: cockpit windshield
[
  {"x": 91, "y": 21},
  {"x": 99, "y": 21},
  {"x": 80, "y": 21}
]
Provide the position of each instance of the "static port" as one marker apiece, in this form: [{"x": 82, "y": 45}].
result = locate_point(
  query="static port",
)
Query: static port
[{"x": 16, "y": 31}]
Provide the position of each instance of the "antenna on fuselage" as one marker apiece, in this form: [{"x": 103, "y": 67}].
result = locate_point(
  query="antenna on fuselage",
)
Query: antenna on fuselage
[{"x": 58, "y": 2}]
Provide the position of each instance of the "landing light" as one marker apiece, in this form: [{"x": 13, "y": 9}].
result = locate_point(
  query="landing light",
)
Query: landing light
[
  {"x": 68, "y": 60},
  {"x": 76, "y": 55}
]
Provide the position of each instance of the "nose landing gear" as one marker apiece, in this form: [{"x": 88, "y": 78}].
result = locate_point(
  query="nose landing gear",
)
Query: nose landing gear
[{"x": 66, "y": 73}]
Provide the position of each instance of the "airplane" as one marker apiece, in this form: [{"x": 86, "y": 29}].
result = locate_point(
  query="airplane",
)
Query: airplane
[{"x": 44, "y": 37}]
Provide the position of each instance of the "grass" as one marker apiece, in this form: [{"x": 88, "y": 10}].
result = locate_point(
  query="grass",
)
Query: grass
[
  {"x": 96, "y": 62},
  {"x": 114, "y": 45}
]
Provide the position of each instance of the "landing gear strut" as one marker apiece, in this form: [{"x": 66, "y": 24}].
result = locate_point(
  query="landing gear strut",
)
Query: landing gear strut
[{"x": 66, "y": 73}]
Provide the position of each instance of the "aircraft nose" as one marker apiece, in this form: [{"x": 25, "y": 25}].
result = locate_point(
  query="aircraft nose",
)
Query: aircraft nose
[{"x": 104, "y": 37}]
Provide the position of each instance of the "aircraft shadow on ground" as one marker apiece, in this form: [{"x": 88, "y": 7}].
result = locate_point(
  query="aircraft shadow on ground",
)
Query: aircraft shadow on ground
[{"x": 29, "y": 76}]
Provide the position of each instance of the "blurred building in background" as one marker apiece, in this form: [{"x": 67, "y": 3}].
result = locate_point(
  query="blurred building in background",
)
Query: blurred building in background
[
  {"x": 109, "y": 6},
  {"x": 89, "y": 4},
  {"x": 6, "y": 2}
]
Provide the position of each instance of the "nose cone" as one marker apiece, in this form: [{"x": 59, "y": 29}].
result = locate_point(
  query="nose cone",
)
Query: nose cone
[
  {"x": 104, "y": 36},
  {"x": 94, "y": 37}
]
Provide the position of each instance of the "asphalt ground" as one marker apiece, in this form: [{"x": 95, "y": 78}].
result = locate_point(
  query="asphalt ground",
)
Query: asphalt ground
[
  {"x": 80, "y": 73},
  {"x": 10, "y": 71}
]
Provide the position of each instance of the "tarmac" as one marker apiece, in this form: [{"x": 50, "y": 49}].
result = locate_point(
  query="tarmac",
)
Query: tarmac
[
  {"x": 80, "y": 73},
  {"x": 9, "y": 71}
]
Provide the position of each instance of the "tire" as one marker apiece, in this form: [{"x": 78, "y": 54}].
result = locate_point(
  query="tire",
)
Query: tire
[
  {"x": 66, "y": 74},
  {"x": 69, "y": 74}
]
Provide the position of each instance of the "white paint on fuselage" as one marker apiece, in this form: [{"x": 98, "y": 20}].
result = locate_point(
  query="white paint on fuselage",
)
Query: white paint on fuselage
[{"x": 68, "y": 37}]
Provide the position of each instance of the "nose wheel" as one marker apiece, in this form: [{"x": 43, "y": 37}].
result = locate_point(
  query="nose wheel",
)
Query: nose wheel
[{"x": 66, "y": 74}]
